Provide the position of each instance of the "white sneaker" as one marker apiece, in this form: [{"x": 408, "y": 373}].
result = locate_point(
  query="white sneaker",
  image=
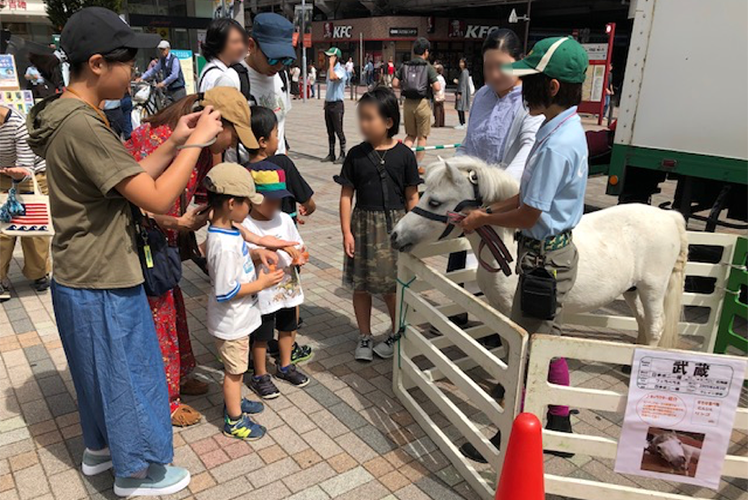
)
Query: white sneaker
[
  {"x": 364, "y": 351},
  {"x": 459, "y": 127},
  {"x": 386, "y": 349}
]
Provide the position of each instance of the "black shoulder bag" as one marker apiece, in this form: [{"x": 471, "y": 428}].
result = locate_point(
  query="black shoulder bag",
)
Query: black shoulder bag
[{"x": 161, "y": 265}]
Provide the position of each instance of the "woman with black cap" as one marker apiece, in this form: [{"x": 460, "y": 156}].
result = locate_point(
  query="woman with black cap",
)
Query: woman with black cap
[{"x": 100, "y": 305}]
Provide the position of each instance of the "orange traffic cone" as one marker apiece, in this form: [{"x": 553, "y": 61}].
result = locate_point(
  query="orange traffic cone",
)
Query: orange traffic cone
[{"x": 522, "y": 475}]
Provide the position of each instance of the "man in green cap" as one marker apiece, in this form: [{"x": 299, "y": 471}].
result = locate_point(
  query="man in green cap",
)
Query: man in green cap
[
  {"x": 550, "y": 202},
  {"x": 334, "y": 108}
]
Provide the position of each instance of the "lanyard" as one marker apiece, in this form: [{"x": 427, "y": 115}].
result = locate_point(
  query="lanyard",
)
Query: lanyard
[
  {"x": 98, "y": 111},
  {"x": 540, "y": 143}
]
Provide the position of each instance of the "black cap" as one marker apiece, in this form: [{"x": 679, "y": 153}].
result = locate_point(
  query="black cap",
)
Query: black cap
[{"x": 96, "y": 30}]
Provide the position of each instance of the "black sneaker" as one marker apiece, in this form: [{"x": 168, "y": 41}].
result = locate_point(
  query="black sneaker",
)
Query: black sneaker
[
  {"x": 4, "y": 290},
  {"x": 559, "y": 424},
  {"x": 469, "y": 451},
  {"x": 42, "y": 284},
  {"x": 264, "y": 386},
  {"x": 329, "y": 158},
  {"x": 292, "y": 375},
  {"x": 300, "y": 353}
]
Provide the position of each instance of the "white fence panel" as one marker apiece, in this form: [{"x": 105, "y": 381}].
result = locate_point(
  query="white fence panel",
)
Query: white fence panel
[
  {"x": 407, "y": 375},
  {"x": 541, "y": 393}
]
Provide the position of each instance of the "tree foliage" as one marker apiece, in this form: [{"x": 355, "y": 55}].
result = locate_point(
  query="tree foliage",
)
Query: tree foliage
[{"x": 59, "y": 11}]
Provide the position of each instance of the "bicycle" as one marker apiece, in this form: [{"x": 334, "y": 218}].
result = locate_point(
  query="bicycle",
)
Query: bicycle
[{"x": 147, "y": 98}]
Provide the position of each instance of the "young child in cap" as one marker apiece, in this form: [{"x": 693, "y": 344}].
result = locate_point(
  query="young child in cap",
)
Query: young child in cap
[
  {"x": 233, "y": 312},
  {"x": 551, "y": 198},
  {"x": 265, "y": 128},
  {"x": 277, "y": 304}
]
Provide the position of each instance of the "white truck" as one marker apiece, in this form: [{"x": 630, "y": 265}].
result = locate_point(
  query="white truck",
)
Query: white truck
[{"x": 684, "y": 107}]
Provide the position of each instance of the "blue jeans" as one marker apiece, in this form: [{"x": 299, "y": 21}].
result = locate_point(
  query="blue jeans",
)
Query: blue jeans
[{"x": 115, "y": 361}]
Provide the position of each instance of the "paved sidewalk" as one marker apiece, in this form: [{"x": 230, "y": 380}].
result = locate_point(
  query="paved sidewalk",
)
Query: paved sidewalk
[{"x": 344, "y": 436}]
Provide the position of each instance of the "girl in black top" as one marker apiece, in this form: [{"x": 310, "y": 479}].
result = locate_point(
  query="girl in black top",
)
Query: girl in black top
[{"x": 370, "y": 262}]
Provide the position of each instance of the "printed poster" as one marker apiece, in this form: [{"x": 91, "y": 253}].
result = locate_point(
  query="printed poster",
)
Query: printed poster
[
  {"x": 8, "y": 72},
  {"x": 679, "y": 416},
  {"x": 188, "y": 68},
  {"x": 17, "y": 100}
]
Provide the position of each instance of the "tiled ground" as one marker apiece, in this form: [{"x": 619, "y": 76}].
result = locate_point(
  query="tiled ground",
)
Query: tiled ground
[{"x": 344, "y": 436}]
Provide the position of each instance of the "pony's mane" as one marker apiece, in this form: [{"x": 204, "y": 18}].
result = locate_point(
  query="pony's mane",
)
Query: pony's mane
[{"x": 493, "y": 181}]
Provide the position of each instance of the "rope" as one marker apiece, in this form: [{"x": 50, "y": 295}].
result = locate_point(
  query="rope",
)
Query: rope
[
  {"x": 435, "y": 148},
  {"x": 402, "y": 323}
]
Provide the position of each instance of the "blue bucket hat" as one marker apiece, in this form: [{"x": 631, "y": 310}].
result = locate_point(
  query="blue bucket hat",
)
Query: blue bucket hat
[{"x": 274, "y": 33}]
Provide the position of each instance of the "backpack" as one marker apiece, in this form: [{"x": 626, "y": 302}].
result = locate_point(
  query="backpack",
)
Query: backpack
[
  {"x": 243, "y": 73},
  {"x": 415, "y": 81}
]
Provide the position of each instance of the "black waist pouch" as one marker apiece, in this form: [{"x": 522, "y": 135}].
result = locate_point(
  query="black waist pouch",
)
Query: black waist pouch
[{"x": 538, "y": 289}]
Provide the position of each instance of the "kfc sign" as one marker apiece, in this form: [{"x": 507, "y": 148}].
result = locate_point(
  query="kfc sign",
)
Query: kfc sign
[
  {"x": 459, "y": 29},
  {"x": 332, "y": 31}
]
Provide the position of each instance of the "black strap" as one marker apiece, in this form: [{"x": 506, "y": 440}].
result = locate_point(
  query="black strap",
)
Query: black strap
[
  {"x": 200, "y": 82},
  {"x": 377, "y": 161}
]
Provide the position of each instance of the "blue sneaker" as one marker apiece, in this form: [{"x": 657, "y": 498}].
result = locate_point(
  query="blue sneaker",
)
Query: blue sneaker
[
  {"x": 243, "y": 428},
  {"x": 160, "y": 480},
  {"x": 249, "y": 407},
  {"x": 95, "y": 464}
]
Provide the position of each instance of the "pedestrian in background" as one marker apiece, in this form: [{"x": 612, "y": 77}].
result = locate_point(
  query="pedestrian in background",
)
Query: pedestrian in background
[
  {"x": 17, "y": 165},
  {"x": 369, "y": 72},
  {"x": 439, "y": 97},
  {"x": 390, "y": 72},
  {"x": 295, "y": 73},
  {"x": 173, "y": 78},
  {"x": 462, "y": 94},
  {"x": 334, "y": 107},
  {"x": 311, "y": 79},
  {"x": 417, "y": 78},
  {"x": 350, "y": 70}
]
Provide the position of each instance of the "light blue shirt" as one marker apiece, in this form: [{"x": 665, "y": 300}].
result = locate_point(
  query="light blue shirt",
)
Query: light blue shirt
[
  {"x": 490, "y": 119},
  {"x": 555, "y": 177},
  {"x": 336, "y": 88},
  {"x": 170, "y": 76}
]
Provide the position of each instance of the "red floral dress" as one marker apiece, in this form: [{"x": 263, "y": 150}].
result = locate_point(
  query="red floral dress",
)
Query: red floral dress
[{"x": 169, "y": 312}]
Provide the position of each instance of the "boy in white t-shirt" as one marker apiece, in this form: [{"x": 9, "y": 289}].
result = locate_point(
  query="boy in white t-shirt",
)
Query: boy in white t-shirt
[
  {"x": 277, "y": 304},
  {"x": 233, "y": 313}
]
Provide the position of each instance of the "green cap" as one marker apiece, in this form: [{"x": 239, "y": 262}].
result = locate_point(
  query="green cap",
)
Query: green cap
[
  {"x": 562, "y": 58},
  {"x": 334, "y": 51}
]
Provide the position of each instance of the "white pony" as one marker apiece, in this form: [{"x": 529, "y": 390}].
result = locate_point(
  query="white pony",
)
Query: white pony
[
  {"x": 635, "y": 250},
  {"x": 674, "y": 451}
]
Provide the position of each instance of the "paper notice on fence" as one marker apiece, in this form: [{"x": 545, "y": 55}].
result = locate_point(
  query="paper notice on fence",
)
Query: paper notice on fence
[{"x": 679, "y": 416}]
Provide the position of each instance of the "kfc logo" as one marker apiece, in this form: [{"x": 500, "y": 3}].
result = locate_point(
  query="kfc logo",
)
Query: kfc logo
[
  {"x": 332, "y": 31},
  {"x": 456, "y": 29},
  {"x": 475, "y": 31}
]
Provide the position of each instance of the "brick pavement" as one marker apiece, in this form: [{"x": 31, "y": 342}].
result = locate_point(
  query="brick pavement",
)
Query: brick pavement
[{"x": 344, "y": 436}]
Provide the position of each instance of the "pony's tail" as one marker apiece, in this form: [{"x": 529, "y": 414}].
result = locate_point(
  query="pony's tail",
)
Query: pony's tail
[{"x": 674, "y": 291}]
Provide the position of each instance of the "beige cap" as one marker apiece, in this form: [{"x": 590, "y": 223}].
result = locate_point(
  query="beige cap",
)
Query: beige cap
[
  {"x": 234, "y": 180},
  {"x": 234, "y": 108}
]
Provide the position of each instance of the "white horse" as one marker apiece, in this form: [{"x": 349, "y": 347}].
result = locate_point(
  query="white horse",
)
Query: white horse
[
  {"x": 637, "y": 251},
  {"x": 677, "y": 453}
]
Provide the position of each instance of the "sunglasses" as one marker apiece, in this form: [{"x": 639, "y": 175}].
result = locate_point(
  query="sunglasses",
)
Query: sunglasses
[{"x": 285, "y": 61}]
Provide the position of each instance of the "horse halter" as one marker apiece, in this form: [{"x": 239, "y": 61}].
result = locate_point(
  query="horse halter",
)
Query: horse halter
[
  {"x": 476, "y": 202},
  {"x": 489, "y": 237}
]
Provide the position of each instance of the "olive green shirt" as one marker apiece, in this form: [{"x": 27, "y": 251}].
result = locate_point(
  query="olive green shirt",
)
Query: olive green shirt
[{"x": 94, "y": 243}]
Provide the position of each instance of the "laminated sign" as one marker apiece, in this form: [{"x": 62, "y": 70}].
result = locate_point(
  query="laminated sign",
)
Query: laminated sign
[{"x": 679, "y": 416}]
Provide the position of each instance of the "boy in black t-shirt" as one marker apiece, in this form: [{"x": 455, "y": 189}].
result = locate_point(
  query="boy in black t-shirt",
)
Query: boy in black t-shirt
[{"x": 265, "y": 128}]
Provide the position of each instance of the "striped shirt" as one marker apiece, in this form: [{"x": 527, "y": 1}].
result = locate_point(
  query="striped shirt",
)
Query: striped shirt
[{"x": 14, "y": 147}]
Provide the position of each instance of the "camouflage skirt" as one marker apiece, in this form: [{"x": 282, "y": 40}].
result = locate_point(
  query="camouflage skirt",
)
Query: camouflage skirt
[{"x": 373, "y": 268}]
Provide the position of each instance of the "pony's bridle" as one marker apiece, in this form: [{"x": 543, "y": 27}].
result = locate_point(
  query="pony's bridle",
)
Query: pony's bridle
[{"x": 489, "y": 237}]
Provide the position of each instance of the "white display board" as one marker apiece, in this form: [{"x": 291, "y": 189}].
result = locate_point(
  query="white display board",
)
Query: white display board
[{"x": 686, "y": 78}]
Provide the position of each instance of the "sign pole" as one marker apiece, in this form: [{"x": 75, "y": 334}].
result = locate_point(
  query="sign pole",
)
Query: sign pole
[
  {"x": 302, "y": 37},
  {"x": 610, "y": 29},
  {"x": 360, "y": 56},
  {"x": 527, "y": 24}
]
